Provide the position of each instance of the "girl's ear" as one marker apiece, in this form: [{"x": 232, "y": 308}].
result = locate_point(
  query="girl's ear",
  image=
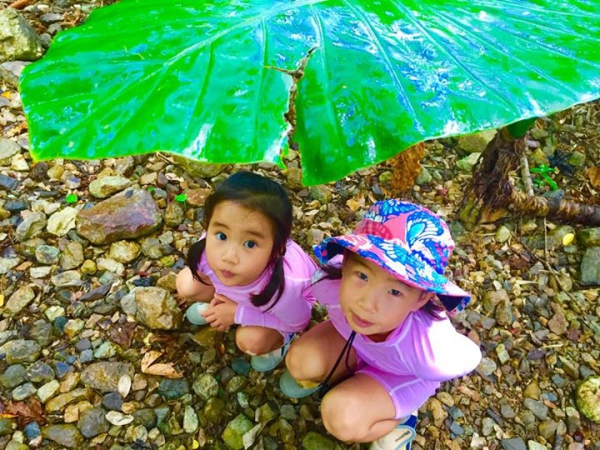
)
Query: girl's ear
[{"x": 424, "y": 298}]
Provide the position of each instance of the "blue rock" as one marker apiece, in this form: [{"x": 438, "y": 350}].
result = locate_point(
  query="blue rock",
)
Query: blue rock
[
  {"x": 241, "y": 366},
  {"x": 59, "y": 324},
  {"x": 61, "y": 369},
  {"x": 32, "y": 430},
  {"x": 86, "y": 356}
]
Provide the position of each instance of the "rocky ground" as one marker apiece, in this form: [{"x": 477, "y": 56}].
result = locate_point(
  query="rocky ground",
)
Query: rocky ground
[{"x": 94, "y": 351}]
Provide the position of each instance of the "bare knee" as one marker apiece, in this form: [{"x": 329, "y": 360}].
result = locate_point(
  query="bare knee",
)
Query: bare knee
[
  {"x": 189, "y": 287},
  {"x": 342, "y": 418},
  {"x": 257, "y": 341},
  {"x": 304, "y": 363}
]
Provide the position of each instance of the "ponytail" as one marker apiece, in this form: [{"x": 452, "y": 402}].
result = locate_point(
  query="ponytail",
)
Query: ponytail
[
  {"x": 193, "y": 258},
  {"x": 273, "y": 289}
]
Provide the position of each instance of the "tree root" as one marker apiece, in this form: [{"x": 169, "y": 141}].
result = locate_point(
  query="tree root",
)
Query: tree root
[{"x": 492, "y": 189}]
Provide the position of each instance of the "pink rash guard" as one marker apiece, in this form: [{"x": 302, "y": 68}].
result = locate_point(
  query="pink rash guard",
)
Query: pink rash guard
[
  {"x": 414, "y": 359},
  {"x": 292, "y": 312}
]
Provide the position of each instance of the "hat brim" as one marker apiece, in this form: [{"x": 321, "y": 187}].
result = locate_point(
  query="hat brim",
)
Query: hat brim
[{"x": 398, "y": 261}]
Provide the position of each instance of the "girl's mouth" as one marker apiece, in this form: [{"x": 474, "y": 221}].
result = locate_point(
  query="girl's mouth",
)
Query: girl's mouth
[
  {"x": 227, "y": 274},
  {"x": 360, "y": 322}
]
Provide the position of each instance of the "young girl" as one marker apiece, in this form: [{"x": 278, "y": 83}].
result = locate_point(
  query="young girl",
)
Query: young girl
[
  {"x": 246, "y": 270},
  {"x": 388, "y": 344}
]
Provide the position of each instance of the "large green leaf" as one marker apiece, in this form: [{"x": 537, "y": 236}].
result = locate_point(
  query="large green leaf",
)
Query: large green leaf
[{"x": 199, "y": 78}]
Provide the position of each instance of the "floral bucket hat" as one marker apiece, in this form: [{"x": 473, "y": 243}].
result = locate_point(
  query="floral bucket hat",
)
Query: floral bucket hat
[{"x": 406, "y": 240}]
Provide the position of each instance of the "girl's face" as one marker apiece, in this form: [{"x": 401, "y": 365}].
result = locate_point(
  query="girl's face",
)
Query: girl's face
[
  {"x": 374, "y": 301},
  {"x": 239, "y": 242}
]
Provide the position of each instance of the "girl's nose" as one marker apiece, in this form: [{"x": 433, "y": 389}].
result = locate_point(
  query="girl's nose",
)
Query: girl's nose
[
  {"x": 368, "y": 301},
  {"x": 230, "y": 255}
]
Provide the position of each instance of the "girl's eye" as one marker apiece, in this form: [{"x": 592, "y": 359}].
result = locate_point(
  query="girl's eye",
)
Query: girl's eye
[
  {"x": 221, "y": 236},
  {"x": 249, "y": 244},
  {"x": 362, "y": 276},
  {"x": 395, "y": 292}
]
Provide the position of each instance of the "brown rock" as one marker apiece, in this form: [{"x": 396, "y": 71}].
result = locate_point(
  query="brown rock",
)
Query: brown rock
[{"x": 127, "y": 215}]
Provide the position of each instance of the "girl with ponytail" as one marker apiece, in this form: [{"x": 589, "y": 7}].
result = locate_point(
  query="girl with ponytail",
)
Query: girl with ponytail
[{"x": 246, "y": 270}]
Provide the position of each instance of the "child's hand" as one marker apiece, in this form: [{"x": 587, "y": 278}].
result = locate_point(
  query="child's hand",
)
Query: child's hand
[{"x": 221, "y": 313}]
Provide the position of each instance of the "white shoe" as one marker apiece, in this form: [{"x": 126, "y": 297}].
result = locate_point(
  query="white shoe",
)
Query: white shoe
[
  {"x": 399, "y": 438},
  {"x": 268, "y": 361}
]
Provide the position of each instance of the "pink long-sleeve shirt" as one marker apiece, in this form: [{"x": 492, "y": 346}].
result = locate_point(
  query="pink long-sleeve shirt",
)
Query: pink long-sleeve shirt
[
  {"x": 421, "y": 346},
  {"x": 292, "y": 312}
]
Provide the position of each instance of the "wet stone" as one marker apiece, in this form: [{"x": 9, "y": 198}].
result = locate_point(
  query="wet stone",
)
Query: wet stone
[
  {"x": 537, "y": 408},
  {"x": 237, "y": 383},
  {"x": 205, "y": 386},
  {"x": 174, "y": 215},
  {"x": 40, "y": 372},
  {"x": 70, "y": 278},
  {"x": 32, "y": 224},
  {"x": 315, "y": 441},
  {"x": 72, "y": 256},
  {"x": 20, "y": 351},
  {"x": 513, "y": 444},
  {"x": 13, "y": 376},
  {"x": 32, "y": 431},
  {"x": 19, "y": 300},
  {"x": 288, "y": 412},
  {"x": 235, "y": 430},
  {"x": 7, "y": 426},
  {"x": 171, "y": 389},
  {"x": 48, "y": 390},
  {"x": 8, "y": 183},
  {"x": 157, "y": 309},
  {"x": 146, "y": 416},
  {"x": 65, "y": 435},
  {"x": 241, "y": 366},
  {"x": 92, "y": 422},
  {"x": 63, "y": 221},
  {"x": 190, "y": 420},
  {"x": 41, "y": 332},
  {"x": 15, "y": 206},
  {"x": 214, "y": 409},
  {"x": 105, "y": 376},
  {"x": 23, "y": 391},
  {"x": 127, "y": 215},
  {"x": 47, "y": 254},
  {"x": 106, "y": 186},
  {"x": 590, "y": 269},
  {"x": 124, "y": 251}
]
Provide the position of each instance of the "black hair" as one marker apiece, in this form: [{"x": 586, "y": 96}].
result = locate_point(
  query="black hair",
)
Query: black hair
[
  {"x": 334, "y": 272},
  {"x": 263, "y": 195}
]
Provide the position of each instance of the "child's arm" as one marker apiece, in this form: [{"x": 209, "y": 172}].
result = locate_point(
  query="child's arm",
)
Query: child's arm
[
  {"x": 291, "y": 314},
  {"x": 441, "y": 353}
]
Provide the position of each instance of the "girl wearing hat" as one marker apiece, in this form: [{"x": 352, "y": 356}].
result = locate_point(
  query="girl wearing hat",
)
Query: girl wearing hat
[{"x": 388, "y": 343}]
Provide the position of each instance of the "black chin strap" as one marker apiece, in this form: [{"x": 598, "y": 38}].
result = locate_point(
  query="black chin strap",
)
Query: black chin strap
[{"x": 324, "y": 387}]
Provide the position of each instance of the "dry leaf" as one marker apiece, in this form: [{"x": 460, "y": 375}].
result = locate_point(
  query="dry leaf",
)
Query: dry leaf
[
  {"x": 162, "y": 369},
  {"x": 594, "y": 174},
  {"x": 28, "y": 411},
  {"x": 355, "y": 205}
]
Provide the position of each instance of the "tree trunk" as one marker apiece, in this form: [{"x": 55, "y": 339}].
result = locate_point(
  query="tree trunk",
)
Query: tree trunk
[{"x": 492, "y": 188}]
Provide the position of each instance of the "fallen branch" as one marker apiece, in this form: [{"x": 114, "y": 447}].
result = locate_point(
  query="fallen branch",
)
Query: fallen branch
[{"x": 526, "y": 175}]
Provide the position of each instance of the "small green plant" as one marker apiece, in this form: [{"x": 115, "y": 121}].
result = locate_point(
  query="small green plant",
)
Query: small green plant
[
  {"x": 71, "y": 198},
  {"x": 544, "y": 177}
]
